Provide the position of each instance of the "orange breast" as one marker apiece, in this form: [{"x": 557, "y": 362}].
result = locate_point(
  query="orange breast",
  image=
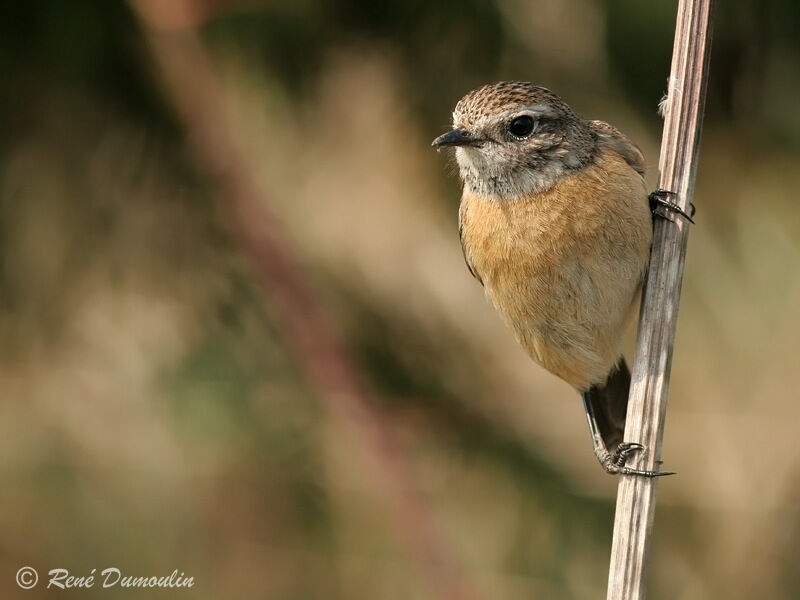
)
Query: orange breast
[{"x": 563, "y": 267}]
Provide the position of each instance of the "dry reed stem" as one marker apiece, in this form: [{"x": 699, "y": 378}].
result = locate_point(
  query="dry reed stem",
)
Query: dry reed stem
[{"x": 647, "y": 406}]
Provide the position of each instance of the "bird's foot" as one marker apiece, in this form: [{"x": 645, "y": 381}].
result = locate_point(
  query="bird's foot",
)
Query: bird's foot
[
  {"x": 661, "y": 206},
  {"x": 615, "y": 463}
]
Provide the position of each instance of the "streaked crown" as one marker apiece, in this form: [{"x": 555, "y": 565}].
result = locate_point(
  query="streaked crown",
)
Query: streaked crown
[{"x": 496, "y": 98}]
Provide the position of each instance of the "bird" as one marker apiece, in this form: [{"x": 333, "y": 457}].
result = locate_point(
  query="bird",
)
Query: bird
[{"x": 555, "y": 224}]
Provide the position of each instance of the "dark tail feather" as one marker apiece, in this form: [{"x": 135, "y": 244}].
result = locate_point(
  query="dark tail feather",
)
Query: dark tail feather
[{"x": 610, "y": 404}]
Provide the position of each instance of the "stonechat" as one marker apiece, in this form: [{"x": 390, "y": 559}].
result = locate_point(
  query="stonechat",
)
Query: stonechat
[{"x": 555, "y": 224}]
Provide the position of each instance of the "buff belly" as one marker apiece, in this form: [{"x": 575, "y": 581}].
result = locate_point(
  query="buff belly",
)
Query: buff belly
[{"x": 564, "y": 267}]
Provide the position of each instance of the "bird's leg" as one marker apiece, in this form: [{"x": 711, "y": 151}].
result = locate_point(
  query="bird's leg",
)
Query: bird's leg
[{"x": 614, "y": 463}]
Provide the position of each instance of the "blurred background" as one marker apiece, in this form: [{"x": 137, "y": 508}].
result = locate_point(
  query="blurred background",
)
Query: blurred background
[{"x": 239, "y": 339}]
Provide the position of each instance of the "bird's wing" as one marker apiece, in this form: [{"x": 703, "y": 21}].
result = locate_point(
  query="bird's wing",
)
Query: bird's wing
[
  {"x": 613, "y": 139},
  {"x": 463, "y": 246}
]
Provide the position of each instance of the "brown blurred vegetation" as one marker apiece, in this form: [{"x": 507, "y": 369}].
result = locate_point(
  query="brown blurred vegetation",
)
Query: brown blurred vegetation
[{"x": 154, "y": 415}]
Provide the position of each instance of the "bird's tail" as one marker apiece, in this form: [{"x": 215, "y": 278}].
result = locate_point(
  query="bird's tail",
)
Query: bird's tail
[{"x": 610, "y": 404}]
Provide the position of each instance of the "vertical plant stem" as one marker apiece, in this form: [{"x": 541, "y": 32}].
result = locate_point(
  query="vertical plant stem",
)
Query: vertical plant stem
[{"x": 647, "y": 406}]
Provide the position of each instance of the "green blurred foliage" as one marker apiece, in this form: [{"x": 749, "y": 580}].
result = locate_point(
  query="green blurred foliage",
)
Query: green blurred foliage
[{"x": 154, "y": 417}]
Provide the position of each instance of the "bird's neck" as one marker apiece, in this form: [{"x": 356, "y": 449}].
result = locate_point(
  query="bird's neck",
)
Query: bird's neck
[{"x": 519, "y": 182}]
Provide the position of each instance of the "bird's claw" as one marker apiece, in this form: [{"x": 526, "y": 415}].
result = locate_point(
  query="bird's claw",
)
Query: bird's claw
[
  {"x": 623, "y": 451},
  {"x": 660, "y": 206},
  {"x": 615, "y": 463}
]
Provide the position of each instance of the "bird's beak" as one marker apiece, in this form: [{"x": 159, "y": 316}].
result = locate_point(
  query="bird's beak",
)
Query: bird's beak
[{"x": 457, "y": 137}]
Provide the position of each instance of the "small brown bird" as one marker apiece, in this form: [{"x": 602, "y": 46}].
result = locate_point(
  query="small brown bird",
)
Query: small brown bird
[{"x": 555, "y": 223}]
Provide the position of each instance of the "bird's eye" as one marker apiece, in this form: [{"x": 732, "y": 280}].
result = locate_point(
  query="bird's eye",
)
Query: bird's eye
[{"x": 521, "y": 126}]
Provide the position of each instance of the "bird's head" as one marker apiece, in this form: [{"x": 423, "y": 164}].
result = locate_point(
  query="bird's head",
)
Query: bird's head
[{"x": 514, "y": 138}]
